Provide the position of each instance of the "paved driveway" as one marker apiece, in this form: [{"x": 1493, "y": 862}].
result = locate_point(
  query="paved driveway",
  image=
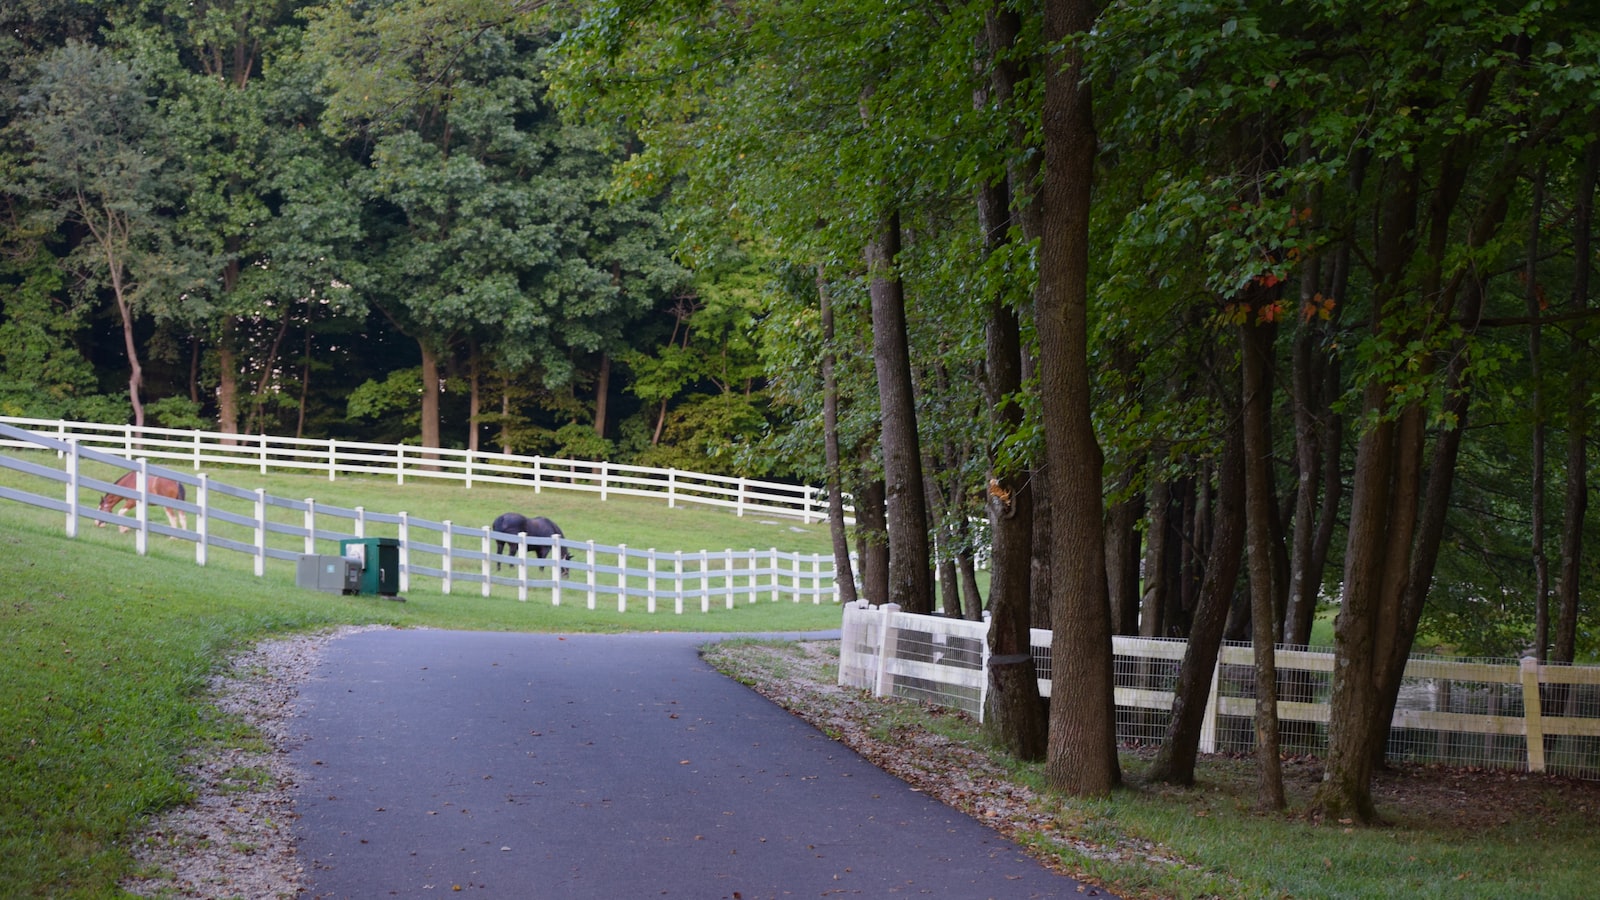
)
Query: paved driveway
[{"x": 443, "y": 764}]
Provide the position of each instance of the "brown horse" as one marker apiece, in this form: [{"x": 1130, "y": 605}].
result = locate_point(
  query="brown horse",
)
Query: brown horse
[{"x": 159, "y": 487}]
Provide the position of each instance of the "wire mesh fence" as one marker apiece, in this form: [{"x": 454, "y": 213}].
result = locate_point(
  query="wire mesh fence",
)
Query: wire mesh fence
[{"x": 1504, "y": 714}]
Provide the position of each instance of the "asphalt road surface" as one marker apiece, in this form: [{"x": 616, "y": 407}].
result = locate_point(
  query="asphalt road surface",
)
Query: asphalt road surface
[{"x": 444, "y": 764}]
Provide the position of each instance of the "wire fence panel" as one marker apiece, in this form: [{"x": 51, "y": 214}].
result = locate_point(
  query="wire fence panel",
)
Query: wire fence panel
[{"x": 1504, "y": 714}]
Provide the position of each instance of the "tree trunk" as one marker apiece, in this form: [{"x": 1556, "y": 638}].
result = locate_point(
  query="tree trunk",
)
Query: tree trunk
[
  {"x": 1256, "y": 341},
  {"x": 602, "y": 393},
  {"x": 1082, "y": 753},
  {"x": 845, "y": 576},
  {"x": 1346, "y": 788},
  {"x": 1175, "y": 760},
  {"x": 430, "y": 399},
  {"x": 1014, "y": 716},
  {"x": 1153, "y": 600},
  {"x": 228, "y": 376},
  {"x": 909, "y": 580},
  {"x": 872, "y": 541},
  {"x": 1575, "y": 504},
  {"x": 1122, "y": 563},
  {"x": 1541, "y": 560},
  {"x": 305, "y": 385},
  {"x": 474, "y": 398}
]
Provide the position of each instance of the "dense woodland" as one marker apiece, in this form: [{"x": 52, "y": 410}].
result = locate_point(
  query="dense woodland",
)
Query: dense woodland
[{"x": 1213, "y": 314}]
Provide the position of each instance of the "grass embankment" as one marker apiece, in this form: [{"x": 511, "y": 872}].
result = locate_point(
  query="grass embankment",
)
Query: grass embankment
[
  {"x": 1453, "y": 834},
  {"x": 105, "y": 655}
]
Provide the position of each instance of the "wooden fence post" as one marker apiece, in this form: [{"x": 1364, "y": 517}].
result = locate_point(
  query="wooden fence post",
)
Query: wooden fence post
[{"x": 1533, "y": 713}]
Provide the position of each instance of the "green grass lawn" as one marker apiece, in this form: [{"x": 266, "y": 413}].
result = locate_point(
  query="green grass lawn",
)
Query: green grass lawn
[{"x": 105, "y": 655}]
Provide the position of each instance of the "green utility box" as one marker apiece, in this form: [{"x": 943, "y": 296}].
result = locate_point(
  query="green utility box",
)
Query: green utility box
[{"x": 380, "y": 564}]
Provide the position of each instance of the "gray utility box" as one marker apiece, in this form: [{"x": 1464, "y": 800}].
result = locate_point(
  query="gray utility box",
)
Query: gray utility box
[{"x": 334, "y": 574}]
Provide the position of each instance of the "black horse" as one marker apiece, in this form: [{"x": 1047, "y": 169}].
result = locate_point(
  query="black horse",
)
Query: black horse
[{"x": 537, "y": 526}]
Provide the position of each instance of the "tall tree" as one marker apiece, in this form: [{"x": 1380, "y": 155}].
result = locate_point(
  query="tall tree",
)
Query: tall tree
[
  {"x": 98, "y": 156},
  {"x": 1082, "y": 757}
]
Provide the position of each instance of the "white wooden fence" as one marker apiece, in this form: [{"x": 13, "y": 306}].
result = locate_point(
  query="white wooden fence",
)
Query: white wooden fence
[
  {"x": 194, "y": 449},
  {"x": 266, "y": 528},
  {"x": 1514, "y": 714}
]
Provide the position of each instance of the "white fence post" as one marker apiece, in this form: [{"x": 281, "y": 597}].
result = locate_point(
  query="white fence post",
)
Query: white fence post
[
  {"x": 727, "y": 576},
  {"x": 622, "y": 578},
  {"x": 739, "y": 498},
  {"x": 772, "y": 566},
  {"x": 677, "y": 582},
  {"x": 555, "y": 569},
  {"x": 405, "y": 552},
  {"x": 197, "y": 451},
  {"x": 522, "y": 566},
  {"x": 1533, "y": 713},
  {"x": 888, "y": 637},
  {"x": 311, "y": 525},
  {"x": 604, "y": 471},
  {"x": 672, "y": 489},
  {"x": 650, "y": 581},
  {"x": 361, "y": 522},
  {"x": 141, "y": 509},
  {"x": 488, "y": 571},
  {"x": 983, "y": 650},
  {"x": 444, "y": 564},
  {"x": 1208, "y": 725},
  {"x": 202, "y": 519},
  {"x": 333, "y": 459},
  {"x": 73, "y": 478},
  {"x": 262, "y": 443},
  {"x": 261, "y": 532},
  {"x": 705, "y": 581},
  {"x": 589, "y": 561},
  {"x": 400, "y": 466}
]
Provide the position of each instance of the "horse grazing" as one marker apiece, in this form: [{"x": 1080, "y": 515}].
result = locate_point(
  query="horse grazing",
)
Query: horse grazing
[
  {"x": 516, "y": 523},
  {"x": 159, "y": 487}
]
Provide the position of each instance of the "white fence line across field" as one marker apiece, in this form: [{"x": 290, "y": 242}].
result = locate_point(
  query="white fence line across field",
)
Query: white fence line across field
[
  {"x": 195, "y": 449},
  {"x": 267, "y": 527},
  {"x": 1518, "y": 714}
]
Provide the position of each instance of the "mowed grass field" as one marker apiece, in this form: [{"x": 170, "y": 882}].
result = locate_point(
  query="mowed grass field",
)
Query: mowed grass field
[{"x": 105, "y": 654}]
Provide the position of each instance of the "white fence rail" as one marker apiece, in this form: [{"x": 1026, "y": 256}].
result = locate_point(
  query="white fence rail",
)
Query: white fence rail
[
  {"x": 266, "y": 527},
  {"x": 1516, "y": 714},
  {"x": 195, "y": 449}
]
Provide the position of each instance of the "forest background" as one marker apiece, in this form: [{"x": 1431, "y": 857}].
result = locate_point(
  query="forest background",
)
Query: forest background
[{"x": 1211, "y": 313}]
